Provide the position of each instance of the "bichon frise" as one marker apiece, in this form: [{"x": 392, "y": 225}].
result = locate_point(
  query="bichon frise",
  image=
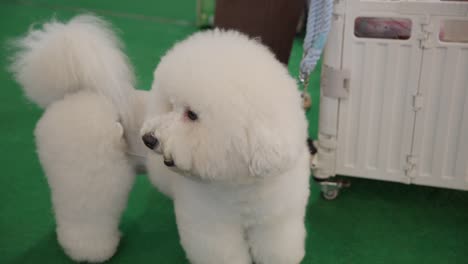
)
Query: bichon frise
[{"x": 223, "y": 126}]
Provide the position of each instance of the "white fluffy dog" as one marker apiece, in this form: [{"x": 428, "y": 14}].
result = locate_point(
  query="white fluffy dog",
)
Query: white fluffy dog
[{"x": 224, "y": 114}]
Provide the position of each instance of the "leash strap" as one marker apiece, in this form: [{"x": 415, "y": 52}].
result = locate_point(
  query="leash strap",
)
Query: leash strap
[{"x": 317, "y": 29}]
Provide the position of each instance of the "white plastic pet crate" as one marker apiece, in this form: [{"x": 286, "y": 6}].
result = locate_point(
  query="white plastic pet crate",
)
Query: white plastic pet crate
[{"x": 396, "y": 109}]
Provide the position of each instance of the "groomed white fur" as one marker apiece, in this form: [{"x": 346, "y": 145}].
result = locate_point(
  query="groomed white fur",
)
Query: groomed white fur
[
  {"x": 240, "y": 185},
  {"x": 244, "y": 183},
  {"x": 82, "y": 150},
  {"x": 83, "y": 54},
  {"x": 77, "y": 71}
]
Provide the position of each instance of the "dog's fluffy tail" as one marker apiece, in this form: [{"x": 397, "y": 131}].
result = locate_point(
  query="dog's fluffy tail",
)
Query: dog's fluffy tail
[{"x": 62, "y": 58}]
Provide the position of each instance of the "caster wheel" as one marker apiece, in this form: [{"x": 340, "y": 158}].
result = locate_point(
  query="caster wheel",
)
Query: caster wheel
[{"x": 330, "y": 195}]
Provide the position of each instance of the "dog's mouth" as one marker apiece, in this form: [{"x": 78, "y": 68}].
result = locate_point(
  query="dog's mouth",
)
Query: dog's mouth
[{"x": 169, "y": 162}]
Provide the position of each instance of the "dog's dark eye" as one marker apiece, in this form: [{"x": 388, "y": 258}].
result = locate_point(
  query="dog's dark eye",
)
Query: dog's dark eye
[{"x": 191, "y": 115}]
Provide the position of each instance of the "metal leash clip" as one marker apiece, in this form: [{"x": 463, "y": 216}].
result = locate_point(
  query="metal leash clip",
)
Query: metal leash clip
[{"x": 304, "y": 83}]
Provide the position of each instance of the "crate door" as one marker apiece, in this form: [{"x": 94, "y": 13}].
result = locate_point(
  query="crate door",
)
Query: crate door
[
  {"x": 376, "y": 121},
  {"x": 441, "y": 133}
]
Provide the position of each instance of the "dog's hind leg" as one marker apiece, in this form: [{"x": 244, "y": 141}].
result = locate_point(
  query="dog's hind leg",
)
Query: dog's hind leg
[{"x": 82, "y": 150}]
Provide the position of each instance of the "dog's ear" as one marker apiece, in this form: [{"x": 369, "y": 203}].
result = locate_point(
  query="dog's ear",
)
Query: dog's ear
[{"x": 270, "y": 152}]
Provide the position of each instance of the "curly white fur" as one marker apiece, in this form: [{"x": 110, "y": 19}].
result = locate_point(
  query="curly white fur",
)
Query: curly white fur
[
  {"x": 240, "y": 184},
  {"x": 244, "y": 161},
  {"x": 83, "y": 54},
  {"x": 77, "y": 71}
]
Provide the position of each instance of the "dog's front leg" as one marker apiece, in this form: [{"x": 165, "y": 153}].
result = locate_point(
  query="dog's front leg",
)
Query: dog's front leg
[
  {"x": 280, "y": 241},
  {"x": 209, "y": 236}
]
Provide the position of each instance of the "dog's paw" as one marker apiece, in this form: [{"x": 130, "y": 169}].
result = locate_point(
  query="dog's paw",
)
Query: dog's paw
[{"x": 88, "y": 245}]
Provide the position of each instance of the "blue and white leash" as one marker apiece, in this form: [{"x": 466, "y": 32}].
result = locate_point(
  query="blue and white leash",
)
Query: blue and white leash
[{"x": 317, "y": 29}]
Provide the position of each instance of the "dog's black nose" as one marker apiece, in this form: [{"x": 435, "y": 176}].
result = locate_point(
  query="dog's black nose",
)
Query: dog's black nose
[{"x": 150, "y": 140}]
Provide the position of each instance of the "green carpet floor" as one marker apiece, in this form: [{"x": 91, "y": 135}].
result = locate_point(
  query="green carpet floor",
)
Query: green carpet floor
[{"x": 372, "y": 222}]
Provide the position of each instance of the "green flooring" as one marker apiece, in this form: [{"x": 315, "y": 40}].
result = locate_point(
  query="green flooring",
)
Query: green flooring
[{"x": 373, "y": 222}]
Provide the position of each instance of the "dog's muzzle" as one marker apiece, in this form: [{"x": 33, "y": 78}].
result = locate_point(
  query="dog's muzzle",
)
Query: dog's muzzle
[{"x": 153, "y": 143}]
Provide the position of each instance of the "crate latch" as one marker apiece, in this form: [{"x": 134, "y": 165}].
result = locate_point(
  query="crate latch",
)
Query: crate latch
[
  {"x": 335, "y": 82},
  {"x": 410, "y": 168}
]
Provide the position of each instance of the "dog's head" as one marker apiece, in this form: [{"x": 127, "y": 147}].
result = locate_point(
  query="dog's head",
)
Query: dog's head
[{"x": 223, "y": 108}]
